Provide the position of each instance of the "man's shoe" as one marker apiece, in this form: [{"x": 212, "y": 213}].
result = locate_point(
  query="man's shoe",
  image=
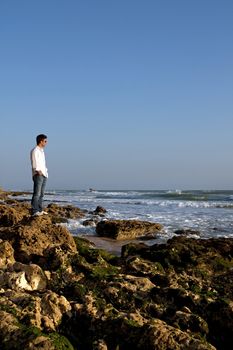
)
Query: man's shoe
[
  {"x": 38, "y": 213},
  {"x": 44, "y": 212}
]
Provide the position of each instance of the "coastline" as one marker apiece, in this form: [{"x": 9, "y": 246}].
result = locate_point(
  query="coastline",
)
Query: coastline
[
  {"x": 59, "y": 292},
  {"x": 208, "y": 212}
]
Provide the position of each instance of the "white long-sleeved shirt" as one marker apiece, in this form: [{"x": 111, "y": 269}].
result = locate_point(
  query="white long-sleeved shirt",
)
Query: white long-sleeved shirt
[{"x": 38, "y": 161}]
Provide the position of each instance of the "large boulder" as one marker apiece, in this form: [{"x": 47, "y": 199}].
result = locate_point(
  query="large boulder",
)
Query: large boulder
[
  {"x": 34, "y": 237},
  {"x": 126, "y": 229}
]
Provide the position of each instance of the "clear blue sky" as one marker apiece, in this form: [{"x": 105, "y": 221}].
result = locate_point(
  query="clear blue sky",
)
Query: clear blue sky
[{"x": 133, "y": 94}]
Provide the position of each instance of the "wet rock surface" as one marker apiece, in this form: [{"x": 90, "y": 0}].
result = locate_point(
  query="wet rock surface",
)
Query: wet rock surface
[
  {"x": 59, "y": 292},
  {"x": 187, "y": 232},
  {"x": 99, "y": 211}
]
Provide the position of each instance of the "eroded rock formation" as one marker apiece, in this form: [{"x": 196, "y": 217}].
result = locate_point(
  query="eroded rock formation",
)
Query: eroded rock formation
[{"x": 59, "y": 292}]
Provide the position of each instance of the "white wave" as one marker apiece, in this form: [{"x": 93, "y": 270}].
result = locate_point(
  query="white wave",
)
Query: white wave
[
  {"x": 174, "y": 192},
  {"x": 113, "y": 193},
  {"x": 77, "y": 228},
  {"x": 196, "y": 204}
]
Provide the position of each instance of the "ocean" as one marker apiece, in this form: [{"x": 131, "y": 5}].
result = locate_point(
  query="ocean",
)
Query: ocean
[{"x": 209, "y": 212}]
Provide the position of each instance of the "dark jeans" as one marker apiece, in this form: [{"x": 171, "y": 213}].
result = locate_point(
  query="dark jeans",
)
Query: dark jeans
[{"x": 38, "y": 192}]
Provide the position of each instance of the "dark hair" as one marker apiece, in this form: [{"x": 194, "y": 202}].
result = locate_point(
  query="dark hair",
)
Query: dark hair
[{"x": 40, "y": 138}]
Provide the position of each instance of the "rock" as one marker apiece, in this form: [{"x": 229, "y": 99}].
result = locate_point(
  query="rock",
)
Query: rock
[
  {"x": 126, "y": 229},
  {"x": 8, "y": 326},
  {"x": 99, "y": 210},
  {"x": 190, "y": 322},
  {"x": 129, "y": 292},
  {"x": 53, "y": 307},
  {"x": 6, "y": 254},
  {"x": 19, "y": 193},
  {"x": 200, "y": 272},
  {"x": 14, "y": 335},
  {"x": 83, "y": 243},
  {"x": 132, "y": 249},
  {"x": 24, "y": 277},
  {"x": 132, "y": 284},
  {"x": 56, "y": 257},
  {"x": 90, "y": 222},
  {"x": 10, "y": 216},
  {"x": 143, "y": 267},
  {"x": 100, "y": 345},
  {"x": 176, "y": 295},
  {"x": 44, "y": 311},
  {"x": 219, "y": 317},
  {"x": 187, "y": 232},
  {"x": 28, "y": 277},
  {"x": 32, "y": 239},
  {"x": 159, "y": 336},
  {"x": 147, "y": 237},
  {"x": 181, "y": 252},
  {"x": 41, "y": 343},
  {"x": 68, "y": 211}
]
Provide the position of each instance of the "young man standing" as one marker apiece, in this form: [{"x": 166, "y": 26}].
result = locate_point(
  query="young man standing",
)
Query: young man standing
[{"x": 39, "y": 174}]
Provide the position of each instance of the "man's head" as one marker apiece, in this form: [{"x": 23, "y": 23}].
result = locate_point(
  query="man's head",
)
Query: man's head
[{"x": 41, "y": 140}]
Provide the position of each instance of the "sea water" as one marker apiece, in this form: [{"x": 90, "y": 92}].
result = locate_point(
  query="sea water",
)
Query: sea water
[{"x": 209, "y": 212}]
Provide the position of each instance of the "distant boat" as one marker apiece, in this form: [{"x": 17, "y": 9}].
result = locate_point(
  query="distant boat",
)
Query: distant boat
[{"x": 91, "y": 190}]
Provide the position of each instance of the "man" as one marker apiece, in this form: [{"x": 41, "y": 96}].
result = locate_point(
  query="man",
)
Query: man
[{"x": 39, "y": 175}]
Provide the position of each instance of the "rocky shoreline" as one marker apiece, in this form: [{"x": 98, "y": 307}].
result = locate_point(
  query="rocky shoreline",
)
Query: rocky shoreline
[{"x": 60, "y": 292}]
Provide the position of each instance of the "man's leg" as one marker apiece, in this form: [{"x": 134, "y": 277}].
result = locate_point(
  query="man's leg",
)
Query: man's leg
[
  {"x": 38, "y": 182},
  {"x": 40, "y": 201}
]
